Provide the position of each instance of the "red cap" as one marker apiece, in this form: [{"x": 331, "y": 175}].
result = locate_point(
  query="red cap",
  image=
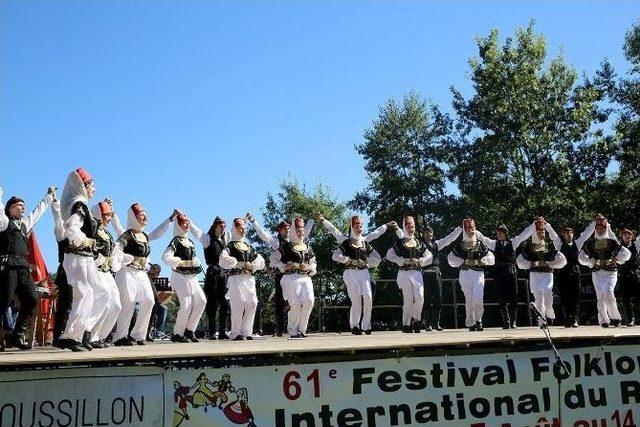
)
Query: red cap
[
  {"x": 540, "y": 222},
  {"x": 237, "y": 222},
  {"x": 601, "y": 220},
  {"x": 298, "y": 222},
  {"x": 356, "y": 220},
  {"x": 467, "y": 222},
  {"x": 407, "y": 217},
  {"x": 84, "y": 175},
  {"x": 137, "y": 208},
  {"x": 105, "y": 208}
]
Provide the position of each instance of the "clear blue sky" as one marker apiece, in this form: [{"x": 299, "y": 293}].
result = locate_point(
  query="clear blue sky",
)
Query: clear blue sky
[{"x": 208, "y": 105}]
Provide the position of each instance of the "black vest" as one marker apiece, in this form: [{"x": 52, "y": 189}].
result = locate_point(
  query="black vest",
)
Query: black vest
[
  {"x": 292, "y": 252},
  {"x": 13, "y": 244},
  {"x": 477, "y": 251},
  {"x": 355, "y": 253},
  {"x": 184, "y": 249},
  {"x": 403, "y": 251},
  {"x": 608, "y": 250},
  {"x": 631, "y": 266},
  {"x": 213, "y": 251},
  {"x": 104, "y": 246},
  {"x": 571, "y": 253},
  {"x": 133, "y": 246},
  {"x": 89, "y": 228},
  {"x": 62, "y": 249},
  {"x": 504, "y": 252},
  {"x": 242, "y": 255},
  {"x": 548, "y": 254},
  {"x": 433, "y": 248}
]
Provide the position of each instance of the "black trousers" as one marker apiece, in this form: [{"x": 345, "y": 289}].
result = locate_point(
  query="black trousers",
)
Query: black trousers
[
  {"x": 432, "y": 297},
  {"x": 18, "y": 281},
  {"x": 63, "y": 303},
  {"x": 215, "y": 288},
  {"x": 505, "y": 279},
  {"x": 280, "y": 304},
  {"x": 628, "y": 294},
  {"x": 568, "y": 286}
]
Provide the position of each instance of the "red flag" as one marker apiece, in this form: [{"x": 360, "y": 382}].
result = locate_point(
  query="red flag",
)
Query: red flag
[{"x": 40, "y": 275}]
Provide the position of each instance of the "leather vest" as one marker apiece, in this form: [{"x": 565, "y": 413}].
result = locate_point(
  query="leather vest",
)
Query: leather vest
[
  {"x": 543, "y": 251},
  {"x": 468, "y": 251},
  {"x": 349, "y": 250},
  {"x": 404, "y": 251},
  {"x": 298, "y": 253},
  {"x": 13, "y": 244},
  {"x": 602, "y": 250},
  {"x": 213, "y": 251},
  {"x": 184, "y": 249}
]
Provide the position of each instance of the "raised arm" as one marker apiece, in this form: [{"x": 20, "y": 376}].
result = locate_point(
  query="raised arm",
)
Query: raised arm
[
  {"x": 58, "y": 224},
  {"x": 449, "y": 238},
  {"x": 203, "y": 238},
  {"x": 117, "y": 225},
  {"x": 376, "y": 233},
  {"x": 524, "y": 235},
  {"x": 37, "y": 213},
  {"x": 490, "y": 243},
  {"x": 557, "y": 242},
  {"x": 160, "y": 230},
  {"x": 637, "y": 243},
  {"x": 340, "y": 236},
  {"x": 4, "y": 219},
  {"x": 269, "y": 239},
  {"x": 584, "y": 236},
  {"x": 308, "y": 227}
]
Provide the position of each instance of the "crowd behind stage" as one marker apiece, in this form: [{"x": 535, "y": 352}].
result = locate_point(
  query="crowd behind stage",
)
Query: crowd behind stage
[{"x": 105, "y": 295}]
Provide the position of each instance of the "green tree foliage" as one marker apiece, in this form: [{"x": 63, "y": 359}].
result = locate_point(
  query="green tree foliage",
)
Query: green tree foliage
[
  {"x": 405, "y": 153},
  {"x": 625, "y": 93},
  {"x": 528, "y": 141}
]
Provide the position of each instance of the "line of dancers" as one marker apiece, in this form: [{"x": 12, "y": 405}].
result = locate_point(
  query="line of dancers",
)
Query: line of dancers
[{"x": 101, "y": 279}]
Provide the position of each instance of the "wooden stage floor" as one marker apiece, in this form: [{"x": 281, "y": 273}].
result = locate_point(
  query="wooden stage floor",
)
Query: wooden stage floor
[{"x": 318, "y": 345}]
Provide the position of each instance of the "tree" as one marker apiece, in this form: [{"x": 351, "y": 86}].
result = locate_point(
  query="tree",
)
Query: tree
[
  {"x": 404, "y": 153},
  {"x": 527, "y": 141},
  {"x": 292, "y": 200},
  {"x": 625, "y": 93}
]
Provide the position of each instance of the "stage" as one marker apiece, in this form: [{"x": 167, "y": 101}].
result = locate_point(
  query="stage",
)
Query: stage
[{"x": 319, "y": 347}]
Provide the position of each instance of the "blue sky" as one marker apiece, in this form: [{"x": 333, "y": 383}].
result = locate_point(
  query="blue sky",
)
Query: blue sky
[{"x": 208, "y": 105}]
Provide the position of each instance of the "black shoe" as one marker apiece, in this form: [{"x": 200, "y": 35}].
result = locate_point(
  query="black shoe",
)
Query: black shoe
[
  {"x": 149, "y": 338},
  {"x": 416, "y": 326},
  {"x": 605, "y": 325},
  {"x": 141, "y": 342},
  {"x": 367, "y": 331},
  {"x": 109, "y": 338},
  {"x": 356, "y": 331},
  {"x": 190, "y": 336},
  {"x": 238, "y": 338},
  {"x": 179, "y": 338},
  {"x": 406, "y": 329},
  {"x": 549, "y": 321},
  {"x": 513, "y": 325},
  {"x": 277, "y": 334},
  {"x": 294, "y": 336},
  {"x": 479, "y": 326},
  {"x": 124, "y": 342},
  {"x": 428, "y": 328},
  {"x": 574, "y": 324},
  {"x": 437, "y": 327},
  {"x": 223, "y": 336},
  {"x": 18, "y": 340},
  {"x": 473, "y": 328},
  {"x": 72, "y": 345},
  {"x": 97, "y": 344},
  {"x": 249, "y": 337},
  {"x": 86, "y": 340},
  {"x": 615, "y": 322}
]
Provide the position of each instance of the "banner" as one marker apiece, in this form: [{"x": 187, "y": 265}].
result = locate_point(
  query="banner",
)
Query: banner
[
  {"x": 499, "y": 389},
  {"x": 82, "y": 397}
]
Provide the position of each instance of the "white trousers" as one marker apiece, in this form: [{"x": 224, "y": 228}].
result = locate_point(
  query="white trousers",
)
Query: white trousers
[
  {"x": 412, "y": 286},
  {"x": 297, "y": 290},
  {"x": 192, "y": 302},
  {"x": 472, "y": 284},
  {"x": 82, "y": 275},
  {"x": 541, "y": 286},
  {"x": 604, "y": 282},
  {"x": 134, "y": 286},
  {"x": 106, "y": 306},
  {"x": 241, "y": 293},
  {"x": 359, "y": 290}
]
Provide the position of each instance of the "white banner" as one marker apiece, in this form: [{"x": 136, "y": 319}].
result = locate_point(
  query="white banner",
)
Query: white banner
[
  {"x": 82, "y": 397},
  {"x": 500, "y": 389}
]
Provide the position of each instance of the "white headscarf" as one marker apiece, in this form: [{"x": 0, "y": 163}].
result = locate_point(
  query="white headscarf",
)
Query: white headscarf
[
  {"x": 608, "y": 234},
  {"x": 466, "y": 238},
  {"x": 404, "y": 228},
  {"x": 352, "y": 233},
  {"x": 177, "y": 230},
  {"x": 74, "y": 191},
  {"x": 534, "y": 236}
]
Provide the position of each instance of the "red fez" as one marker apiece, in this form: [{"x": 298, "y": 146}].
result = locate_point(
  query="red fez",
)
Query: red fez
[
  {"x": 601, "y": 220},
  {"x": 84, "y": 175},
  {"x": 540, "y": 223},
  {"x": 356, "y": 220},
  {"x": 408, "y": 217},
  {"x": 237, "y": 222},
  {"x": 298, "y": 222},
  {"x": 137, "y": 208},
  {"x": 105, "y": 208}
]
